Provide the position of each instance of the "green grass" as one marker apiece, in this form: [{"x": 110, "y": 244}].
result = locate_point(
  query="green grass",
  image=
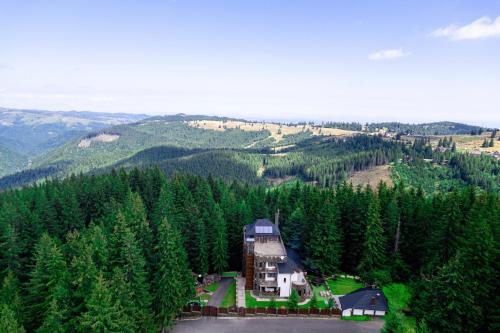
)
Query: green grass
[
  {"x": 343, "y": 286},
  {"x": 212, "y": 287},
  {"x": 322, "y": 302},
  {"x": 230, "y": 297},
  {"x": 398, "y": 296},
  {"x": 251, "y": 302},
  {"x": 228, "y": 274},
  {"x": 357, "y": 318}
]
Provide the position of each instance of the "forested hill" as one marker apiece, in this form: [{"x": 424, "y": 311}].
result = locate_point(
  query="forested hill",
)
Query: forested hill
[
  {"x": 437, "y": 128},
  {"x": 259, "y": 152},
  {"x": 30, "y": 133},
  {"x": 119, "y": 250}
]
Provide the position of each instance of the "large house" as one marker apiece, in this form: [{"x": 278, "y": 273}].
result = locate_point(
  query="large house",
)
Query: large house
[
  {"x": 364, "y": 301},
  {"x": 271, "y": 269}
]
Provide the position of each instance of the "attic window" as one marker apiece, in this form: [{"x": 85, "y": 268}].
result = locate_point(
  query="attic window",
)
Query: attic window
[{"x": 263, "y": 230}]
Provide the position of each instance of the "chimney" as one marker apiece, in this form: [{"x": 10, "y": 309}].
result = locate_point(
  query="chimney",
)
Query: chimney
[
  {"x": 373, "y": 300},
  {"x": 277, "y": 217}
]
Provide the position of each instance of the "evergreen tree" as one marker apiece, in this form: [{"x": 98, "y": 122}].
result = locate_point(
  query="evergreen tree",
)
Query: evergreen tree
[
  {"x": 219, "y": 251},
  {"x": 8, "y": 322},
  {"x": 48, "y": 274},
  {"x": 55, "y": 318},
  {"x": 374, "y": 245},
  {"x": 103, "y": 314},
  {"x": 10, "y": 295},
  {"x": 293, "y": 300},
  {"x": 324, "y": 241},
  {"x": 173, "y": 283},
  {"x": 130, "y": 278}
]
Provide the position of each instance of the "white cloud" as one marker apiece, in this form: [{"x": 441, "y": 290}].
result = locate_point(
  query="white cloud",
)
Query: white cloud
[
  {"x": 388, "y": 54},
  {"x": 483, "y": 27}
]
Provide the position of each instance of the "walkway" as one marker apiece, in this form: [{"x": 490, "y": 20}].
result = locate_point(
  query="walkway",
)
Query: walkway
[
  {"x": 218, "y": 295},
  {"x": 240, "y": 292}
]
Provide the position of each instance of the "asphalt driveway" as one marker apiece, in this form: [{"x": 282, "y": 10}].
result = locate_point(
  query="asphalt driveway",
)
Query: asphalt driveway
[
  {"x": 219, "y": 294},
  {"x": 275, "y": 325}
]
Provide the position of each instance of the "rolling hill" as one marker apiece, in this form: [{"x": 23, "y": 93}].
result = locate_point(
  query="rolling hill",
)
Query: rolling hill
[
  {"x": 234, "y": 149},
  {"x": 33, "y": 132}
]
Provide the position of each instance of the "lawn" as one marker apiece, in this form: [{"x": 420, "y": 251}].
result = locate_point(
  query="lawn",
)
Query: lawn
[
  {"x": 357, "y": 318},
  {"x": 343, "y": 285},
  {"x": 212, "y": 287},
  {"x": 228, "y": 274},
  {"x": 251, "y": 302},
  {"x": 230, "y": 297},
  {"x": 398, "y": 296}
]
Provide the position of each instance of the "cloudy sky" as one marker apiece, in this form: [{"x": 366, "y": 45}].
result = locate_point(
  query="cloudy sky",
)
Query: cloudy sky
[{"x": 411, "y": 61}]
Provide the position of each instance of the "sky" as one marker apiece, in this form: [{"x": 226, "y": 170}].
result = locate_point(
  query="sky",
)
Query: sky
[{"x": 409, "y": 61}]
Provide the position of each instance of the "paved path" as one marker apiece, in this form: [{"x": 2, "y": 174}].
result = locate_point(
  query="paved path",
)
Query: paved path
[
  {"x": 240, "y": 292},
  {"x": 275, "y": 325},
  {"x": 219, "y": 294}
]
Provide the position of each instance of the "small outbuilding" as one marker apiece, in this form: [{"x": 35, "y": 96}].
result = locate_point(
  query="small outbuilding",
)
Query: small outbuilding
[{"x": 364, "y": 301}]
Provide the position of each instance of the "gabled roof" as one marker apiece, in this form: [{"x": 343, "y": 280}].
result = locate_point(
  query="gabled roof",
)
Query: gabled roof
[
  {"x": 262, "y": 227},
  {"x": 292, "y": 263},
  {"x": 364, "y": 298}
]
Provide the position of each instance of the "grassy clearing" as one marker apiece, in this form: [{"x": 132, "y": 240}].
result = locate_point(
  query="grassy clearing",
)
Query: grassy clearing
[
  {"x": 343, "y": 285},
  {"x": 357, "y": 318},
  {"x": 251, "y": 302},
  {"x": 212, "y": 287},
  {"x": 230, "y": 297},
  {"x": 228, "y": 274},
  {"x": 322, "y": 303},
  {"x": 398, "y": 296}
]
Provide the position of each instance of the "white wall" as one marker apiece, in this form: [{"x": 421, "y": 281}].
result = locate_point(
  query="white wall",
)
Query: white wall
[
  {"x": 346, "y": 312},
  {"x": 379, "y": 313},
  {"x": 357, "y": 312},
  {"x": 285, "y": 287},
  {"x": 369, "y": 312}
]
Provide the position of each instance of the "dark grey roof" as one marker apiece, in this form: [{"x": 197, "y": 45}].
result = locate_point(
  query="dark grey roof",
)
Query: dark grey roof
[
  {"x": 364, "y": 298},
  {"x": 250, "y": 228},
  {"x": 292, "y": 263}
]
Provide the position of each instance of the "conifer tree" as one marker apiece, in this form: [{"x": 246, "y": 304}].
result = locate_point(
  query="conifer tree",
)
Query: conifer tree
[
  {"x": 374, "y": 245},
  {"x": 129, "y": 263},
  {"x": 8, "y": 321},
  {"x": 48, "y": 273},
  {"x": 55, "y": 318},
  {"x": 293, "y": 300},
  {"x": 324, "y": 241},
  {"x": 173, "y": 283},
  {"x": 10, "y": 295},
  {"x": 219, "y": 250},
  {"x": 103, "y": 314}
]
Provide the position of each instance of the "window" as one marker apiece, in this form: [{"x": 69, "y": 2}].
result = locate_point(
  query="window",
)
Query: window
[
  {"x": 263, "y": 230},
  {"x": 284, "y": 280}
]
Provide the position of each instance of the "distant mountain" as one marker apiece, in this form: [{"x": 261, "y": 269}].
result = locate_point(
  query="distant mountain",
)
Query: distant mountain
[
  {"x": 33, "y": 132},
  {"x": 257, "y": 152},
  {"x": 436, "y": 128},
  {"x": 11, "y": 161}
]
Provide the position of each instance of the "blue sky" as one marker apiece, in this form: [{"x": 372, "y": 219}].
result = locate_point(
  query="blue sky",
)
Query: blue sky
[{"x": 410, "y": 61}]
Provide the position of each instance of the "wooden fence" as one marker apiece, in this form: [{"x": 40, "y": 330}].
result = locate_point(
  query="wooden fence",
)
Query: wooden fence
[{"x": 213, "y": 311}]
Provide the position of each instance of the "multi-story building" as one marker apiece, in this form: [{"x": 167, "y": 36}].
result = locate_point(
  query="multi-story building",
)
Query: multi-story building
[{"x": 269, "y": 268}]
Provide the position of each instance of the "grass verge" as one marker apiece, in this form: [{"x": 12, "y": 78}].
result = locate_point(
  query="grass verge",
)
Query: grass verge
[
  {"x": 230, "y": 297},
  {"x": 343, "y": 285}
]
